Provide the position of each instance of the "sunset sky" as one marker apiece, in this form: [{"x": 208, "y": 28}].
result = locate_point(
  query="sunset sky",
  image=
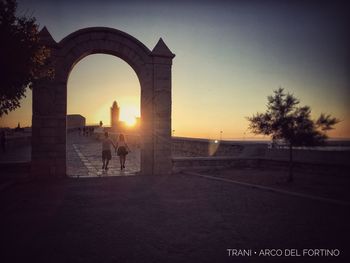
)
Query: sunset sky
[{"x": 230, "y": 55}]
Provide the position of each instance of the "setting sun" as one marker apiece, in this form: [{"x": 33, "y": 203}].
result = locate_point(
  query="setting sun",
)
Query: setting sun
[
  {"x": 130, "y": 121},
  {"x": 128, "y": 114}
]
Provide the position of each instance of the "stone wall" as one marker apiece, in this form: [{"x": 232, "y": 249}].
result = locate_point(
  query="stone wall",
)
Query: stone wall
[
  {"x": 193, "y": 147},
  {"x": 75, "y": 121},
  {"x": 207, "y": 163},
  {"x": 17, "y": 141},
  {"x": 199, "y": 154}
]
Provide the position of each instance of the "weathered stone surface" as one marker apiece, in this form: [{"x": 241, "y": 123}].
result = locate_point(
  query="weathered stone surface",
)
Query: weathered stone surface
[
  {"x": 162, "y": 108},
  {"x": 50, "y": 97}
]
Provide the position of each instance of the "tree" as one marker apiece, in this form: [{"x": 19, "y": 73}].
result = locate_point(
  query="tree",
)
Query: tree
[
  {"x": 284, "y": 120},
  {"x": 22, "y": 58}
]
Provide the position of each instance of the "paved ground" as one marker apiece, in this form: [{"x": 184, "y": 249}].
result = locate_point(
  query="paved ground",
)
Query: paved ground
[
  {"x": 161, "y": 219},
  {"x": 180, "y": 218},
  {"x": 84, "y": 159},
  {"x": 330, "y": 184},
  {"x": 19, "y": 154}
]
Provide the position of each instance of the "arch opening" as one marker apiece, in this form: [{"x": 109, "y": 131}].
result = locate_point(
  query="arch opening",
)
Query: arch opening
[{"x": 93, "y": 85}]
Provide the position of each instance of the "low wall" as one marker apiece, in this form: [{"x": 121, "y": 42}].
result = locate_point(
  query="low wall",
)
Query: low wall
[
  {"x": 206, "y": 163},
  {"x": 193, "y": 147},
  {"x": 191, "y": 153},
  {"x": 19, "y": 140}
]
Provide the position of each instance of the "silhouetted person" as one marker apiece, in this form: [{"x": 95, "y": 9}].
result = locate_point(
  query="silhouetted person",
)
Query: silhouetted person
[
  {"x": 106, "y": 151},
  {"x": 3, "y": 141},
  {"x": 122, "y": 150}
]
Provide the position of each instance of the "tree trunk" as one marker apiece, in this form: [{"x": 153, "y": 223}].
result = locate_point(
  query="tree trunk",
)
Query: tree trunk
[{"x": 290, "y": 175}]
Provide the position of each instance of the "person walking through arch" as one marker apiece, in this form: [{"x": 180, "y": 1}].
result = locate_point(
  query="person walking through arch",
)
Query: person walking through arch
[
  {"x": 122, "y": 149},
  {"x": 106, "y": 151}
]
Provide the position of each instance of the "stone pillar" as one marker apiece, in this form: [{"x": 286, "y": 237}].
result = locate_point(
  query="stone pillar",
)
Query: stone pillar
[
  {"x": 48, "y": 130},
  {"x": 49, "y": 121},
  {"x": 162, "y": 61},
  {"x": 146, "y": 127}
]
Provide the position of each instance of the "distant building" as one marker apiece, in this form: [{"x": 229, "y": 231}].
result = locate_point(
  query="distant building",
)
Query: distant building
[
  {"x": 75, "y": 121},
  {"x": 115, "y": 110},
  {"x": 18, "y": 128}
]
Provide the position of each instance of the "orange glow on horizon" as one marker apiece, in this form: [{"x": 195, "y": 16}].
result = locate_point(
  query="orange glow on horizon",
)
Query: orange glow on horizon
[
  {"x": 130, "y": 122},
  {"x": 128, "y": 114}
]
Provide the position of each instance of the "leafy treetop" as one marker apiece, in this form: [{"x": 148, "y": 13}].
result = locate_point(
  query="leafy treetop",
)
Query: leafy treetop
[
  {"x": 22, "y": 58},
  {"x": 284, "y": 120}
]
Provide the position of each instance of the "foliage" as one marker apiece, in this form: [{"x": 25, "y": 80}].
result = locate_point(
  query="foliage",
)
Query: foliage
[
  {"x": 284, "y": 120},
  {"x": 22, "y": 58}
]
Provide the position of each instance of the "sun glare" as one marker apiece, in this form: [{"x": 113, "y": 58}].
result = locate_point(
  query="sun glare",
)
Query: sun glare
[
  {"x": 128, "y": 114},
  {"x": 131, "y": 121}
]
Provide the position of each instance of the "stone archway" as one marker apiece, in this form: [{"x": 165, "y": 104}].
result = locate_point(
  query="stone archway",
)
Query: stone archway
[{"x": 153, "y": 69}]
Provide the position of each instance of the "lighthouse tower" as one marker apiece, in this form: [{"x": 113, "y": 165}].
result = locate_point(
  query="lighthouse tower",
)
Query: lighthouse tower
[{"x": 114, "y": 116}]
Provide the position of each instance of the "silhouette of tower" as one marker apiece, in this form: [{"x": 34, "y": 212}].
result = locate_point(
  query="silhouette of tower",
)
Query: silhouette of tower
[{"x": 114, "y": 116}]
